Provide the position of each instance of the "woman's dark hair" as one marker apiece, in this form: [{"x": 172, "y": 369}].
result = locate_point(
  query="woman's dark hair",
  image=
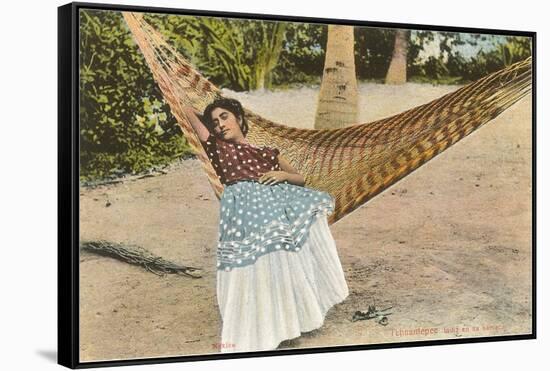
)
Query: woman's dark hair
[{"x": 230, "y": 104}]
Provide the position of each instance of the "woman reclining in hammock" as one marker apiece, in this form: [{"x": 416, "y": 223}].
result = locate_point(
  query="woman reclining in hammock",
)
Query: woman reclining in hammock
[{"x": 278, "y": 270}]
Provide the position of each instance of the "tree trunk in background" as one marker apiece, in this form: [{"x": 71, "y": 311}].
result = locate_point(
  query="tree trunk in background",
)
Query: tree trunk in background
[
  {"x": 397, "y": 72},
  {"x": 338, "y": 97}
]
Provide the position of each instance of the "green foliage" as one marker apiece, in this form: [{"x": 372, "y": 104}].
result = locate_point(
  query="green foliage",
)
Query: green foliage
[
  {"x": 450, "y": 64},
  {"x": 237, "y": 54},
  {"x": 373, "y": 51},
  {"x": 501, "y": 55},
  {"x": 303, "y": 55},
  {"x": 514, "y": 50},
  {"x": 124, "y": 125}
]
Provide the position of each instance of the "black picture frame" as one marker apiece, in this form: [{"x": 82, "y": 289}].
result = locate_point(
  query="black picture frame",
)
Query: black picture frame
[{"x": 68, "y": 185}]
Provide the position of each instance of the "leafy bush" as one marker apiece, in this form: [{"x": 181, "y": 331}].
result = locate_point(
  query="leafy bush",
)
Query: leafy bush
[{"x": 124, "y": 125}]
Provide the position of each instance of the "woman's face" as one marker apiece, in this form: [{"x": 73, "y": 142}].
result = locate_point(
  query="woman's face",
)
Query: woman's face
[{"x": 226, "y": 125}]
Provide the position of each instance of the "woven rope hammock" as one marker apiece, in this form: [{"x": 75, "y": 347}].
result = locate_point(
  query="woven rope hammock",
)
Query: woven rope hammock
[{"x": 353, "y": 163}]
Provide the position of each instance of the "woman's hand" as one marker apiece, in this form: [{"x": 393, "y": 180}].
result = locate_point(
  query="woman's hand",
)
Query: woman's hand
[{"x": 274, "y": 176}]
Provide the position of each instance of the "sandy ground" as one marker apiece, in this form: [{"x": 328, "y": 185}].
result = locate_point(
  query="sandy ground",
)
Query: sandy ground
[{"x": 448, "y": 255}]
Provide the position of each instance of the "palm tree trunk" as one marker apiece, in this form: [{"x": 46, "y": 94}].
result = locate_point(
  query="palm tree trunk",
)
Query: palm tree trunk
[
  {"x": 338, "y": 98},
  {"x": 397, "y": 72}
]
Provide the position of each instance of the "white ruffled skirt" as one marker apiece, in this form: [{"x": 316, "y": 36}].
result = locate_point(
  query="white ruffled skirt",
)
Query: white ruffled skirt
[{"x": 282, "y": 294}]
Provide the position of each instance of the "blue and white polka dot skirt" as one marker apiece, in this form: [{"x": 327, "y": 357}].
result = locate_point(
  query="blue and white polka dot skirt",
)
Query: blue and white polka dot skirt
[{"x": 257, "y": 219}]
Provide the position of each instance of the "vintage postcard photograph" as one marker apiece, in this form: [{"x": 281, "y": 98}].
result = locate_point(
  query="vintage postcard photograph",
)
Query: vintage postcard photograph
[{"x": 250, "y": 185}]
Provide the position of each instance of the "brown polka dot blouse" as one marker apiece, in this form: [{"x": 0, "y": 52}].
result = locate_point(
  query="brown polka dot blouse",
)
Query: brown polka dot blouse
[{"x": 238, "y": 161}]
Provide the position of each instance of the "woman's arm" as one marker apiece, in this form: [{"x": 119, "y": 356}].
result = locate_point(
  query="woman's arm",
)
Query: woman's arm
[
  {"x": 297, "y": 179},
  {"x": 287, "y": 173},
  {"x": 201, "y": 130}
]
